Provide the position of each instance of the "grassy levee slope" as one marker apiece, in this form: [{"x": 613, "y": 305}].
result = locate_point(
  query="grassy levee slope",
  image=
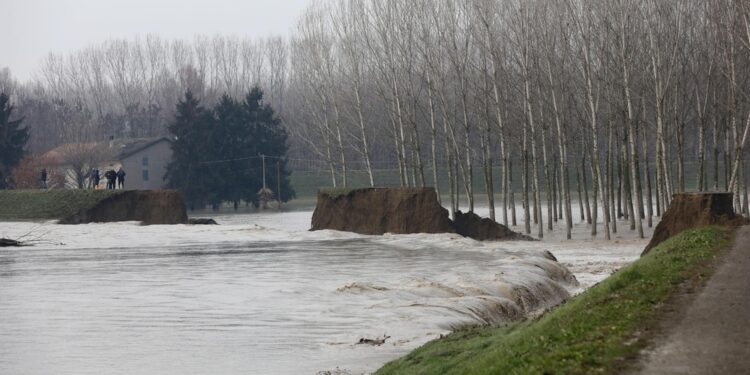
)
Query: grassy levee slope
[
  {"x": 48, "y": 204},
  {"x": 594, "y": 332}
]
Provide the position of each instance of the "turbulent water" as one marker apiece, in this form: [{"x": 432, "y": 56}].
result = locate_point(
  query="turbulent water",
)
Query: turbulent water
[{"x": 260, "y": 294}]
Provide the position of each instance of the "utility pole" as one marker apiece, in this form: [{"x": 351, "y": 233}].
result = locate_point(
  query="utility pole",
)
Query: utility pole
[
  {"x": 278, "y": 183},
  {"x": 263, "y": 158}
]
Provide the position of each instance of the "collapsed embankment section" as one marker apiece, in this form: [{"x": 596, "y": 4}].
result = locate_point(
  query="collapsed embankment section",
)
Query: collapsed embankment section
[
  {"x": 85, "y": 206},
  {"x": 483, "y": 229},
  {"x": 692, "y": 210},
  {"x": 400, "y": 211},
  {"x": 381, "y": 210}
]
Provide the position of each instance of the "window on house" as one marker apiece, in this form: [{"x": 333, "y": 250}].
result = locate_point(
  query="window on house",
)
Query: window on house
[
  {"x": 145, "y": 161},
  {"x": 145, "y": 175}
]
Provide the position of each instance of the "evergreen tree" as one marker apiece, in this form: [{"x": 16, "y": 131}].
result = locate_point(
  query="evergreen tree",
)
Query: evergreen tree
[
  {"x": 232, "y": 141},
  {"x": 217, "y": 153},
  {"x": 13, "y": 140},
  {"x": 191, "y": 130},
  {"x": 269, "y": 138}
]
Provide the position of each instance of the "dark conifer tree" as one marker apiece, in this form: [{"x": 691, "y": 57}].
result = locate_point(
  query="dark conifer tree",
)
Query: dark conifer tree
[
  {"x": 217, "y": 153},
  {"x": 232, "y": 140},
  {"x": 13, "y": 140},
  {"x": 191, "y": 130},
  {"x": 270, "y": 138}
]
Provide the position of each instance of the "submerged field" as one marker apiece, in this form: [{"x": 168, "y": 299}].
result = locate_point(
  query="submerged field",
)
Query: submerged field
[{"x": 592, "y": 333}]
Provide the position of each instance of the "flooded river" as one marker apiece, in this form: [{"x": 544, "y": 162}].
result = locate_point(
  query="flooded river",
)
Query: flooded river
[{"x": 260, "y": 294}]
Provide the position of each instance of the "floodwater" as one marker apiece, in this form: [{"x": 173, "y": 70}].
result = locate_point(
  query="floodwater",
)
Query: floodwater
[{"x": 260, "y": 294}]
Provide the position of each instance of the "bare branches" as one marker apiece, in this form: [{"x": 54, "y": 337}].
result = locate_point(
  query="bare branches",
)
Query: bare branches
[{"x": 419, "y": 86}]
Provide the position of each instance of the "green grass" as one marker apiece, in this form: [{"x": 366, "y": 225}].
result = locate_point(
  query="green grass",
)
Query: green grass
[
  {"x": 336, "y": 191},
  {"x": 47, "y": 204},
  {"x": 592, "y": 333}
]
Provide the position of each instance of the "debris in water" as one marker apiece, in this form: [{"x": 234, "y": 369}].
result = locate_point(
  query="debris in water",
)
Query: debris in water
[
  {"x": 376, "y": 341},
  {"x": 360, "y": 287},
  {"x": 9, "y": 242},
  {"x": 337, "y": 371},
  {"x": 202, "y": 221}
]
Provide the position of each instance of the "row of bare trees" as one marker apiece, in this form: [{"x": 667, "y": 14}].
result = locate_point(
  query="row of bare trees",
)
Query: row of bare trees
[
  {"x": 615, "y": 104},
  {"x": 627, "y": 97},
  {"x": 122, "y": 74},
  {"x": 129, "y": 88}
]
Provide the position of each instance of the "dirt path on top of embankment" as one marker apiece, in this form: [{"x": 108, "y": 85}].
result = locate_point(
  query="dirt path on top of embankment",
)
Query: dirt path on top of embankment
[{"x": 712, "y": 334}]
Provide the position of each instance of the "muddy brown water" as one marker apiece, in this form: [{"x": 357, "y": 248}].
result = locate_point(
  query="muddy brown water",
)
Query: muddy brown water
[{"x": 243, "y": 297}]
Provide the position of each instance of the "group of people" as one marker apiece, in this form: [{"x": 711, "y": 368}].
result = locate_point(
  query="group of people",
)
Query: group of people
[{"x": 115, "y": 179}]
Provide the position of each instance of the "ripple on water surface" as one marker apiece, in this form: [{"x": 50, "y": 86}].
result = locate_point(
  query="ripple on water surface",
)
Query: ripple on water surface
[{"x": 246, "y": 298}]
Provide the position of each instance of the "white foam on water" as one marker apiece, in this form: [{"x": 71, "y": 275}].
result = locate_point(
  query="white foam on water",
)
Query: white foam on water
[{"x": 262, "y": 294}]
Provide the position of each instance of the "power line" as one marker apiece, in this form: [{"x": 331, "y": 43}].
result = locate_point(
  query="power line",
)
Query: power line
[{"x": 245, "y": 158}]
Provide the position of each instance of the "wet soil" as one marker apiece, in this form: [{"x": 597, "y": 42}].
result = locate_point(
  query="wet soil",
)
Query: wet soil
[{"x": 692, "y": 210}]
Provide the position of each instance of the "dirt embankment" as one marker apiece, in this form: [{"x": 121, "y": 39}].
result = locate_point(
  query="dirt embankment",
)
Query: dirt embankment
[
  {"x": 382, "y": 210},
  {"x": 146, "y": 206},
  {"x": 483, "y": 229},
  {"x": 400, "y": 211},
  {"x": 691, "y": 210}
]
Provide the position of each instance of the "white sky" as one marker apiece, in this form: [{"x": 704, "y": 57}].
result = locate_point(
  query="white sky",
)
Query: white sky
[{"x": 30, "y": 29}]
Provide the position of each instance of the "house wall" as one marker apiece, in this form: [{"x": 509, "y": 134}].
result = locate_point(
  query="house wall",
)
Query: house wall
[{"x": 158, "y": 156}]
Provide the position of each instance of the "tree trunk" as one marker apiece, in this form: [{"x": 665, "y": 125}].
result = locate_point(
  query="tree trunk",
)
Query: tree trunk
[
  {"x": 487, "y": 166},
  {"x": 525, "y": 181},
  {"x": 727, "y": 158},
  {"x": 363, "y": 133},
  {"x": 585, "y": 188},
  {"x": 552, "y": 185},
  {"x": 649, "y": 195},
  {"x": 562, "y": 149},
  {"x": 580, "y": 196},
  {"x": 433, "y": 140},
  {"x": 609, "y": 171},
  {"x": 547, "y": 178},
  {"x": 505, "y": 189},
  {"x": 715, "y": 144},
  {"x": 511, "y": 189},
  {"x": 700, "y": 184},
  {"x": 451, "y": 175},
  {"x": 537, "y": 197}
]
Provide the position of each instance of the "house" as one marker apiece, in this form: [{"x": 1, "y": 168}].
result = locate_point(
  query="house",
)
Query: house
[{"x": 144, "y": 161}]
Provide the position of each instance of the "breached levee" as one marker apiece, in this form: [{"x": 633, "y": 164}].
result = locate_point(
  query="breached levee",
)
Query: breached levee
[
  {"x": 400, "y": 211},
  {"x": 524, "y": 283},
  {"x": 692, "y": 210},
  {"x": 380, "y": 211},
  {"x": 147, "y": 206}
]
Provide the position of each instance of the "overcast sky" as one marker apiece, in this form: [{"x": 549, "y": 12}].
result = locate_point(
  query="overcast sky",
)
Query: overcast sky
[{"x": 33, "y": 28}]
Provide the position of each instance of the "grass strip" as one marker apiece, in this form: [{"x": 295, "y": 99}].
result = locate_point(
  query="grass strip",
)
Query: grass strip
[
  {"x": 335, "y": 192},
  {"x": 594, "y": 332},
  {"x": 48, "y": 204}
]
